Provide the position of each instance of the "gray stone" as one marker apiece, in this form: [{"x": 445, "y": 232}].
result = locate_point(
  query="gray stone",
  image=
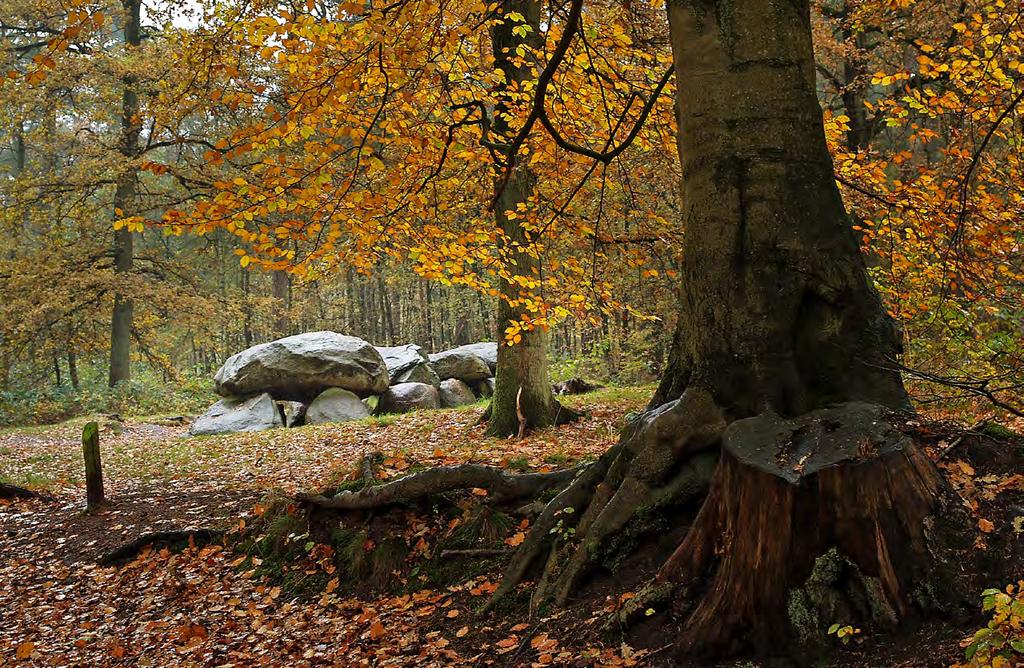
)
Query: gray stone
[
  {"x": 294, "y": 413},
  {"x": 455, "y": 393},
  {"x": 485, "y": 350},
  {"x": 419, "y": 373},
  {"x": 232, "y": 414},
  {"x": 406, "y": 397},
  {"x": 302, "y": 366},
  {"x": 400, "y": 359},
  {"x": 462, "y": 364},
  {"x": 485, "y": 388},
  {"x": 336, "y": 405}
]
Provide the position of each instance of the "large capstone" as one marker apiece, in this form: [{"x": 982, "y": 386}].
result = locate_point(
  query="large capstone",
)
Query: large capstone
[
  {"x": 485, "y": 350},
  {"x": 336, "y": 405},
  {"x": 400, "y": 359},
  {"x": 462, "y": 364},
  {"x": 233, "y": 414},
  {"x": 455, "y": 393},
  {"x": 420, "y": 373},
  {"x": 406, "y": 397},
  {"x": 302, "y": 366}
]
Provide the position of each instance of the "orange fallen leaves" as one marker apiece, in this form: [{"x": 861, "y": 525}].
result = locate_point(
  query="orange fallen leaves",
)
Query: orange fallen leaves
[
  {"x": 25, "y": 650},
  {"x": 516, "y": 540}
]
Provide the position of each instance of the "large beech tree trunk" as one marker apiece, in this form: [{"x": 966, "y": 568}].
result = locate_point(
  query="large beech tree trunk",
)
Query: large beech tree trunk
[{"x": 777, "y": 309}]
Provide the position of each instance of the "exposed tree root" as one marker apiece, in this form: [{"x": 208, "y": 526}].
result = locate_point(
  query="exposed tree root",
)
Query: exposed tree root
[
  {"x": 665, "y": 456},
  {"x": 131, "y": 549},
  {"x": 501, "y": 486},
  {"x": 368, "y": 466},
  {"x": 560, "y": 414}
]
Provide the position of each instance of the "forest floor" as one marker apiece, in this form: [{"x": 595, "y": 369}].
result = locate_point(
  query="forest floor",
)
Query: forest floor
[{"x": 212, "y": 604}]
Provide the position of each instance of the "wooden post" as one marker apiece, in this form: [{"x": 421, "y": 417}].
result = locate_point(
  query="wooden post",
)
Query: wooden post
[{"x": 93, "y": 466}]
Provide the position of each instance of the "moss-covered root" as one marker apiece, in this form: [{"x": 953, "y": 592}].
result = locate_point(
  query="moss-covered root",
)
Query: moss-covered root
[{"x": 664, "y": 455}]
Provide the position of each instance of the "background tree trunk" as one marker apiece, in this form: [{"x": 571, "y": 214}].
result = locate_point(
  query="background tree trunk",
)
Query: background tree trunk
[
  {"x": 124, "y": 195},
  {"x": 279, "y": 290},
  {"x": 521, "y": 380}
]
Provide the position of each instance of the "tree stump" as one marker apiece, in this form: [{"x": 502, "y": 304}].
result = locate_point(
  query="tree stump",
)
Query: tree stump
[
  {"x": 785, "y": 493},
  {"x": 93, "y": 466}
]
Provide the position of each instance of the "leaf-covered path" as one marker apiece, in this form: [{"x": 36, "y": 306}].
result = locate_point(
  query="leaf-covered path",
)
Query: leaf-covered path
[{"x": 199, "y": 606}]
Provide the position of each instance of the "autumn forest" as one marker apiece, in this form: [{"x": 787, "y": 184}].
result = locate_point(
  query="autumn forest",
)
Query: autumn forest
[{"x": 512, "y": 333}]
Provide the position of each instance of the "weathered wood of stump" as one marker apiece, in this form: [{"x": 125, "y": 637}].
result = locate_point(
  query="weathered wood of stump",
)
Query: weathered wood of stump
[
  {"x": 93, "y": 466},
  {"x": 785, "y": 493}
]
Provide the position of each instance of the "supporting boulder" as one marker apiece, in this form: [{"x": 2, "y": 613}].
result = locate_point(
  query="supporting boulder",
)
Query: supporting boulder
[
  {"x": 455, "y": 393},
  {"x": 336, "y": 405},
  {"x": 406, "y": 397},
  {"x": 485, "y": 388},
  {"x": 485, "y": 350},
  {"x": 419, "y": 373},
  {"x": 233, "y": 414},
  {"x": 462, "y": 364},
  {"x": 293, "y": 413},
  {"x": 302, "y": 366}
]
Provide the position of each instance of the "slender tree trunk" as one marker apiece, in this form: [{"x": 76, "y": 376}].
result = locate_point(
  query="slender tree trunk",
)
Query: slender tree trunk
[
  {"x": 429, "y": 311},
  {"x": 521, "y": 380},
  {"x": 72, "y": 367},
  {"x": 522, "y": 390},
  {"x": 279, "y": 290},
  {"x": 124, "y": 196},
  {"x": 247, "y": 309}
]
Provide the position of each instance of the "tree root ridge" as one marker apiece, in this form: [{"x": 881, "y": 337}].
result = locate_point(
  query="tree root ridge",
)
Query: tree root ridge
[
  {"x": 131, "y": 549},
  {"x": 8, "y": 491},
  {"x": 665, "y": 456},
  {"x": 502, "y": 486},
  {"x": 563, "y": 414}
]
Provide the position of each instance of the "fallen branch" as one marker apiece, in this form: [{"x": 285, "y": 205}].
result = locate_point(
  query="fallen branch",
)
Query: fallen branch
[
  {"x": 438, "y": 480},
  {"x": 959, "y": 439},
  {"x": 474, "y": 552},
  {"x": 15, "y": 492},
  {"x": 131, "y": 549}
]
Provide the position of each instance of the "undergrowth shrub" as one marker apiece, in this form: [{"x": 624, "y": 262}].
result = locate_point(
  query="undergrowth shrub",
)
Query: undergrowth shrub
[
  {"x": 1000, "y": 644},
  {"x": 148, "y": 393}
]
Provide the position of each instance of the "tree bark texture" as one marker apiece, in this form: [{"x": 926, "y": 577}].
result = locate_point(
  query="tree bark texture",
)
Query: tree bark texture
[
  {"x": 124, "y": 196},
  {"x": 777, "y": 310}
]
